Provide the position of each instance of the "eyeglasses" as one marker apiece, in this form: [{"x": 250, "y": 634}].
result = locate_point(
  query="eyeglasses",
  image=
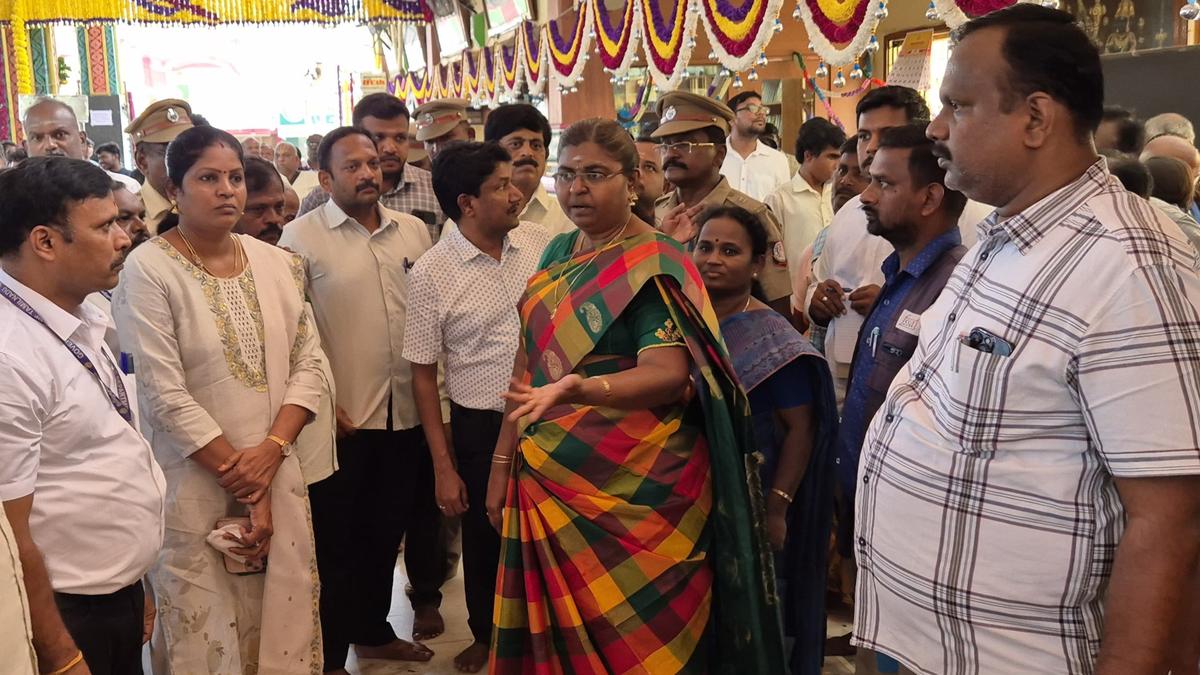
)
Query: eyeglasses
[
  {"x": 753, "y": 108},
  {"x": 683, "y": 148},
  {"x": 591, "y": 178}
]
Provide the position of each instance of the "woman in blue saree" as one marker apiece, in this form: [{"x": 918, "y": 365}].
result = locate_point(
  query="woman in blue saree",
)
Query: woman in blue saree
[{"x": 795, "y": 421}]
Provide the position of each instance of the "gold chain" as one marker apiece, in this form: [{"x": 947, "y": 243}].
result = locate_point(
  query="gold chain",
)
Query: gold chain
[
  {"x": 579, "y": 273},
  {"x": 239, "y": 262}
]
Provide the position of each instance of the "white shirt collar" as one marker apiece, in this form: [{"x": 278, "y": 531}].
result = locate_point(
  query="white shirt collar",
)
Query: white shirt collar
[
  {"x": 335, "y": 217},
  {"x": 760, "y": 148},
  {"x": 468, "y": 251},
  {"x": 64, "y": 324},
  {"x": 800, "y": 184}
]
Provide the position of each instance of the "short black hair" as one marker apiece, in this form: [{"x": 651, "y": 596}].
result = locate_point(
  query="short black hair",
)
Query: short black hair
[
  {"x": 185, "y": 150},
  {"x": 1131, "y": 135},
  {"x": 1047, "y": 51},
  {"x": 110, "y": 148},
  {"x": 199, "y": 120},
  {"x": 753, "y": 225},
  {"x": 379, "y": 105},
  {"x": 817, "y": 134},
  {"x": 894, "y": 96},
  {"x": 40, "y": 191},
  {"x": 511, "y": 117},
  {"x": 646, "y": 131},
  {"x": 260, "y": 174},
  {"x": 922, "y": 164},
  {"x": 1131, "y": 172},
  {"x": 850, "y": 147},
  {"x": 742, "y": 98},
  {"x": 1170, "y": 181},
  {"x": 461, "y": 169},
  {"x": 325, "y": 151}
]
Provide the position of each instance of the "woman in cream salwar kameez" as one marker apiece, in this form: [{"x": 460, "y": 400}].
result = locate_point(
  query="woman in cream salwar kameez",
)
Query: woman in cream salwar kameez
[{"x": 228, "y": 367}]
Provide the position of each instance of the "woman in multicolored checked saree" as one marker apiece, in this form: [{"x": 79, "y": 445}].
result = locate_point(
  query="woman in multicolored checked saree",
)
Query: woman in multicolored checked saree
[{"x": 631, "y": 539}]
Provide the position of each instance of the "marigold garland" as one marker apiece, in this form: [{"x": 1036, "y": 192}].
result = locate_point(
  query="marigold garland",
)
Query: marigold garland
[
  {"x": 534, "y": 56},
  {"x": 826, "y": 34},
  {"x": 568, "y": 54},
  {"x": 957, "y": 12},
  {"x": 508, "y": 68},
  {"x": 218, "y": 11},
  {"x": 616, "y": 42},
  {"x": 668, "y": 46},
  {"x": 739, "y": 34}
]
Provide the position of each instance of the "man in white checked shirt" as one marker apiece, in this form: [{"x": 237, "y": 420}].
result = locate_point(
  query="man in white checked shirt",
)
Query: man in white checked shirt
[
  {"x": 463, "y": 296},
  {"x": 1029, "y": 497}
]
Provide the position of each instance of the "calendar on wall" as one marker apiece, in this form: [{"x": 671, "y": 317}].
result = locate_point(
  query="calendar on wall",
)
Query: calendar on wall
[{"x": 911, "y": 67}]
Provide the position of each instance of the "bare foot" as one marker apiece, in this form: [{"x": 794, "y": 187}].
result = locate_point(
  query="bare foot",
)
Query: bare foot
[
  {"x": 427, "y": 623},
  {"x": 397, "y": 650},
  {"x": 472, "y": 659}
]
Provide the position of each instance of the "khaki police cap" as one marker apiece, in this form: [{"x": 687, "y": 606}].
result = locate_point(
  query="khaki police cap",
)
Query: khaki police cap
[
  {"x": 681, "y": 111},
  {"x": 438, "y": 117},
  {"x": 161, "y": 122},
  {"x": 417, "y": 155}
]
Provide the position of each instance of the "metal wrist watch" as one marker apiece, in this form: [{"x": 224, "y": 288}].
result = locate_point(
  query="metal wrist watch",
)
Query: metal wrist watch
[{"x": 285, "y": 447}]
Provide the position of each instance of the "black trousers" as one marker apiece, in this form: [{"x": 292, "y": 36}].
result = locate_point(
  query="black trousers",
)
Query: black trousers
[
  {"x": 359, "y": 518},
  {"x": 475, "y": 433},
  {"x": 107, "y": 628}
]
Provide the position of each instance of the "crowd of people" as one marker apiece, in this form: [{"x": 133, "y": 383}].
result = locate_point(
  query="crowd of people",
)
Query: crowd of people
[{"x": 638, "y": 409}]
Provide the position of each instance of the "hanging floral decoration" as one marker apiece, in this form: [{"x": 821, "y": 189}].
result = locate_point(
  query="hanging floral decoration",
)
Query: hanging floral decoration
[
  {"x": 487, "y": 76},
  {"x": 569, "y": 53},
  {"x": 415, "y": 87},
  {"x": 616, "y": 41},
  {"x": 635, "y": 111},
  {"x": 668, "y": 41},
  {"x": 508, "y": 68},
  {"x": 455, "y": 71},
  {"x": 840, "y": 30},
  {"x": 957, "y": 12},
  {"x": 218, "y": 11},
  {"x": 738, "y": 34},
  {"x": 470, "y": 74},
  {"x": 824, "y": 95},
  {"x": 532, "y": 49}
]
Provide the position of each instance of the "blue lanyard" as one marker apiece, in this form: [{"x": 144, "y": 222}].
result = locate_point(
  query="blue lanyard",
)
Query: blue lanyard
[{"x": 119, "y": 400}]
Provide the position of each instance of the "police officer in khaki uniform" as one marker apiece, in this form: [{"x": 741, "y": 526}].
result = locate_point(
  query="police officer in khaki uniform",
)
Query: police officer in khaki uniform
[
  {"x": 691, "y": 139},
  {"x": 150, "y": 133},
  {"x": 442, "y": 121}
]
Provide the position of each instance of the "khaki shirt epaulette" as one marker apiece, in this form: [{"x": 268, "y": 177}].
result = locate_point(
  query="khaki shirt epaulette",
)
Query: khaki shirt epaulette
[{"x": 776, "y": 281}]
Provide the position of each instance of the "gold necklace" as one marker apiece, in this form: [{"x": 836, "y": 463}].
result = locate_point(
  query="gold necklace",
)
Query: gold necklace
[
  {"x": 239, "y": 262},
  {"x": 579, "y": 273},
  {"x": 747, "y": 303}
]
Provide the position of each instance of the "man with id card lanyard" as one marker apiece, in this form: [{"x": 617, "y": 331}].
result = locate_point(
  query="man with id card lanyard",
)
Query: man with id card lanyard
[{"x": 68, "y": 431}]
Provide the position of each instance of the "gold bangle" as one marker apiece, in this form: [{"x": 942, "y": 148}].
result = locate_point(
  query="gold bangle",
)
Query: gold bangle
[
  {"x": 70, "y": 664},
  {"x": 607, "y": 387},
  {"x": 785, "y": 496}
]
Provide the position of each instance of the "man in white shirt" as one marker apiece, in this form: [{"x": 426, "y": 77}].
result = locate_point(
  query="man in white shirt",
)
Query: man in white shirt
[
  {"x": 463, "y": 312},
  {"x": 804, "y": 204},
  {"x": 752, "y": 167},
  {"x": 358, "y": 255},
  {"x": 525, "y": 133},
  {"x": 850, "y": 264},
  {"x": 68, "y": 428}
]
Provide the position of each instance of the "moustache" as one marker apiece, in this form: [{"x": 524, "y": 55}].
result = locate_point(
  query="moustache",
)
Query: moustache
[
  {"x": 367, "y": 184},
  {"x": 677, "y": 165},
  {"x": 940, "y": 151},
  {"x": 389, "y": 156},
  {"x": 526, "y": 162},
  {"x": 120, "y": 261}
]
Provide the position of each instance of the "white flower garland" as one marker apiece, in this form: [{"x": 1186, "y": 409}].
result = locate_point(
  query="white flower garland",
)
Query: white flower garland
[
  {"x": 635, "y": 27},
  {"x": 830, "y": 54},
  {"x": 665, "y": 81},
  {"x": 585, "y": 49},
  {"x": 536, "y": 89},
  {"x": 765, "y": 31},
  {"x": 949, "y": 13}
]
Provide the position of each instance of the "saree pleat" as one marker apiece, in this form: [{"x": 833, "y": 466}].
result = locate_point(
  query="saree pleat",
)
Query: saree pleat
[{"x": 631, "y": 543}]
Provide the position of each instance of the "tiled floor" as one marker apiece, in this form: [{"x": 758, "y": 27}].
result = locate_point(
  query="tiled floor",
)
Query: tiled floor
[{"x": 457, "y": 637}]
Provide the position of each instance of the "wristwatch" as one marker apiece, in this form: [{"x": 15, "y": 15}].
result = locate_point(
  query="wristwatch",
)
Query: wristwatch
[{"x": 285, "y": 447}]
